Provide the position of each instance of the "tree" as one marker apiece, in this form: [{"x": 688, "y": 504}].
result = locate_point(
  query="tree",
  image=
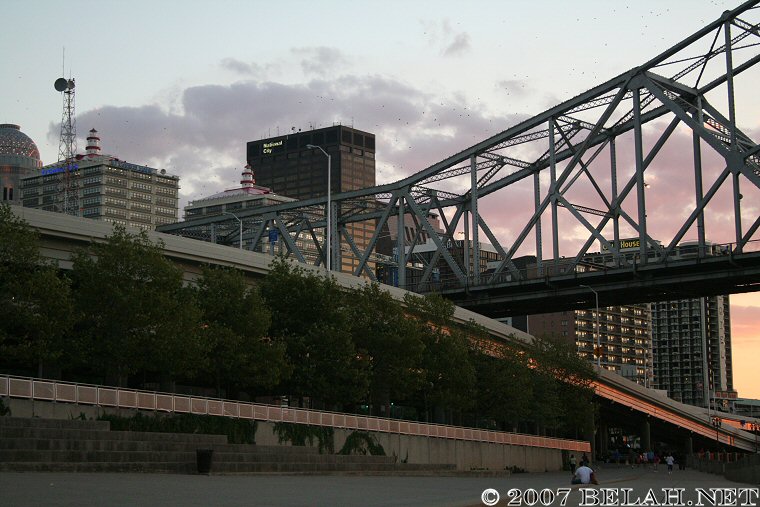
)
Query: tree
[
  {"x": 389, "y": 341},
  {"x": 134, "y": 312},
  {"x": 564, "y": 381},
  {"x": 504, "y": 390},
  {"x": 235, "y": 326},
  {"x": 449, "y": 375},
  {"x": 310, "y": 315},
  {"x": 35, "y": 300}
]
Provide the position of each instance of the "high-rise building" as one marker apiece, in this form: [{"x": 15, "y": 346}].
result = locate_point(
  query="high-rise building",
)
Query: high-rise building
[
  {"x": 691, "y": 338},
  {"x": 19, "y": 158},
  {"x": 107, "y": 189},
  {"x": 692, "y": 349},
  {"x": 623, "y": 344},
  {"x": 289, "y": 167}
]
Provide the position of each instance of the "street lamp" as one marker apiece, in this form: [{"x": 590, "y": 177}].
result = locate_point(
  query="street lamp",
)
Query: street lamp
[
  {"x": 716, "y": 422},
  {"x": 240, "y": 223},
  {"x": 329, "y": 211},
  {"x": 598, "y": 330}
]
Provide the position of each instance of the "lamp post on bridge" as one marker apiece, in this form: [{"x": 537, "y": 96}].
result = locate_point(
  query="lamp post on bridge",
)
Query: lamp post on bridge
[
  {"x": 598, "y": 330},
  {"x": 328, "y": 263}
]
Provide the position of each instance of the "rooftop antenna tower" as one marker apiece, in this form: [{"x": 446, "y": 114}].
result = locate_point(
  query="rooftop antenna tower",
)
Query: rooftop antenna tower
[{"x": 67, "y": 147}]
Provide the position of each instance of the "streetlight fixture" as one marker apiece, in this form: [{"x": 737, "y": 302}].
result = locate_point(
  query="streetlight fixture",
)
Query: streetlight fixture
[
  {"x": 716, "y": 422},
  {"x": 328, "y": 264},
  {"x": 240, "y": 223},
  {"x": 598, "y": 330}
]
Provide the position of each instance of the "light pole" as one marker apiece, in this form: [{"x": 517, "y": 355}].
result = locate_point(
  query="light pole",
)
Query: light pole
[
  {"x": 240, "y": 223},
  {"x": 716, "y": 422},
  {"x": 598, "y": 331},
  {"x": 328, "y": 264}
]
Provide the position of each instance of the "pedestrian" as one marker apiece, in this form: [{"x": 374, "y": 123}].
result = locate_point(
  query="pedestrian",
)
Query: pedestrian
[
  {"x": 572, "y": 464},
  {"x": 656, "y": 460},
  {"x": 669, "y": 459},
  {"x": 584, "y": 460},
  {"x": 584, "y": 475}
]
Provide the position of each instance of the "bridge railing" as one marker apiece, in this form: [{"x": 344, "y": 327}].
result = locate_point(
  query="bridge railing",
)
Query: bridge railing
[
  {"x": 591, "y": 264},
  {"x": 120, "y": 398}
]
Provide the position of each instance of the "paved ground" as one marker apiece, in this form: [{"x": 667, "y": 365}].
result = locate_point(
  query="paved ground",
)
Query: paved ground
[{"x": 122, "y": 490}]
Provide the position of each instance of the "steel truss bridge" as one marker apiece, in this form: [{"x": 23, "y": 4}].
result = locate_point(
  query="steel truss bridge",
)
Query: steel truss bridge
[{"x": 569, "y": 182}]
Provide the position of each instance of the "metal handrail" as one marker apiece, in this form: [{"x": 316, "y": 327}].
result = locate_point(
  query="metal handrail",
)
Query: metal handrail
[{"x": 105, "y": 396}]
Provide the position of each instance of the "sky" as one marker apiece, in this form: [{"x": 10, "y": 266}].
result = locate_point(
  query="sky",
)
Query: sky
[{"x": 184, "y": 84}]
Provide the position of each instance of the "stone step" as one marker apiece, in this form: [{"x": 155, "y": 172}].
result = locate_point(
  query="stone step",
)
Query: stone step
[
  {"x": 42, "y": 444},
  {"x": 95, "y": 456},
  {"x": 278, "y": 449},
  {"x": 88, "y": 446},
  {"x": 321, "y": 468},
  {"x": 84, "y": 434},
  {"x": 150, "y": 467},
  {"x": 244, "y": 457},
  {"x": 36, "y": 422}
]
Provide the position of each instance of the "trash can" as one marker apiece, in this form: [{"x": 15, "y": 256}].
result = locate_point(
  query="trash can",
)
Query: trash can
[{"x": 203, "y": 459}]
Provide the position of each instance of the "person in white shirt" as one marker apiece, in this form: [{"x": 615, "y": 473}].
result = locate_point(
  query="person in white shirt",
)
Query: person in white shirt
[
  {"x": 584, "y": 475},
  {"x": 669, "y": 459}
]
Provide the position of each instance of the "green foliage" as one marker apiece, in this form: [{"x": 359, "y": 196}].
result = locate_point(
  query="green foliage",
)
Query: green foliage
[
  {"x": 310, "y": 316},
  {"x": 238, "y": 431},
  {"x": 35, "y": 302},
  {"x": 446, "y": 364},
  {"x": 19, "y": 247},
  {"x": 361, "y": 442},
  {"x": 565, "y": 380},
  {"x": 235, "y": 323},
  {"x": 135, "y": 314},
  {"x": 504, "y": 388},
  {"x": 388, "y": 340},
  {"x": 300, "y": 434}
]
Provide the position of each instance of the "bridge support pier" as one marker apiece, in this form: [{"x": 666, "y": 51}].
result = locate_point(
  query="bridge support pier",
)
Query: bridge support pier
[
  {"x": 590, "y": 435},
  {"x": 646, "y": 437},
  {"x": 602, "y": 439}
]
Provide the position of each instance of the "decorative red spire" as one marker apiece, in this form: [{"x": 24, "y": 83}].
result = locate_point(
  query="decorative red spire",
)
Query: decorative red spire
[
  {"x": 93, "y": 144},
  {"x": 248, "y": 181}
]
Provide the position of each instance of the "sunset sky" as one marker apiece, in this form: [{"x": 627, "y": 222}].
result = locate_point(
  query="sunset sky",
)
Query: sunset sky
[{"x": 184, "y": 84}]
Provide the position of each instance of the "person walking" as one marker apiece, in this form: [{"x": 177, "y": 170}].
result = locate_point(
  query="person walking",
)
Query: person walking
[
  {"x": 669, "y": 460},
  {"x": 572, "y": 464}
]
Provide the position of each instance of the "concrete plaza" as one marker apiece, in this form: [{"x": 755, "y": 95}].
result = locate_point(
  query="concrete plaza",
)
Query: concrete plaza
[{"x": 167, "y": 490}]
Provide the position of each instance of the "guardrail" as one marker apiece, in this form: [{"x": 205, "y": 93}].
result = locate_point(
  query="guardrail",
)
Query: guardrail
[
  {"x": 687, "y": 252},
  {"x": 101, "y": 396}
]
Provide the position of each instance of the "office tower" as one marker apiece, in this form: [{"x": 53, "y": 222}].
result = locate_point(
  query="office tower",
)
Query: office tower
[
  {"x": 108, "y": 189},
  {"x": 289, "y": 167}
]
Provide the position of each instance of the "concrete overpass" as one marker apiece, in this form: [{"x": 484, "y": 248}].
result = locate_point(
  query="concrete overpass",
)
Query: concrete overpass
[{"x": 61, "y": 234}]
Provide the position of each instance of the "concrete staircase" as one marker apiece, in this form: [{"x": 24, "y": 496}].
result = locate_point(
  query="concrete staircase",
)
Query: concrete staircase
[{"x": 90, "y": 446}]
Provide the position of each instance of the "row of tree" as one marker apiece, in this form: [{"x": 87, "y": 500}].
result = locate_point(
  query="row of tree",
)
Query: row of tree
[{"x": 124, "y": 315}]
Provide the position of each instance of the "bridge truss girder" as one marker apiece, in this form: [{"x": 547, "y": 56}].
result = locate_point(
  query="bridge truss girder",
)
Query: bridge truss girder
[{"x": 574, "y": 144}]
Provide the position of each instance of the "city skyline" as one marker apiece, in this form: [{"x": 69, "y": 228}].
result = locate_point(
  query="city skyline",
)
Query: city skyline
[{"x": 427, "y": 78}]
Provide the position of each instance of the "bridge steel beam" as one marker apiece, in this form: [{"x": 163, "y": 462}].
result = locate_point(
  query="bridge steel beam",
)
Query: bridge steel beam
[{"x": 616, "y": 118}]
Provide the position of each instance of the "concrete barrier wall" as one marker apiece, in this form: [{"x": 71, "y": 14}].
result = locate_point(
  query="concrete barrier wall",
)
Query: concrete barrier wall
[
  {"x": 745, "y": 470},
  {"x": 466, "y": 455}
]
